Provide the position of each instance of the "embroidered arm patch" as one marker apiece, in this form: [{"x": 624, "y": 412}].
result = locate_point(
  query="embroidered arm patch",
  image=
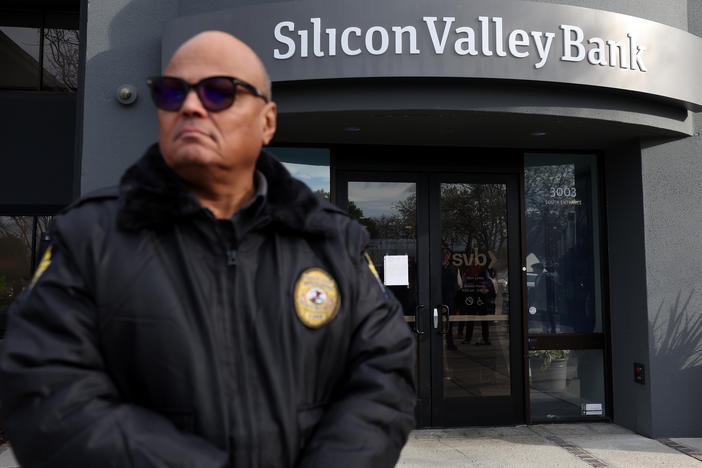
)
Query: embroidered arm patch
[{"x": 373, "y": 270}]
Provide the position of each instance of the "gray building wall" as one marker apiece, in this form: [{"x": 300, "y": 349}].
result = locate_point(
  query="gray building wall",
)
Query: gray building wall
[
  {"x": 653, "y": 196},
  {"x": 627, "y": 285},
  {"x": 123, "y": 47},
  {"x": 671, "y": 174},
  {"x": 652, "y": 193}
]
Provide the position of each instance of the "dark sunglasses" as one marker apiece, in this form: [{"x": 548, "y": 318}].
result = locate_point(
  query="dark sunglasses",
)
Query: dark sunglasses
[{"x": 216, "y": 93}]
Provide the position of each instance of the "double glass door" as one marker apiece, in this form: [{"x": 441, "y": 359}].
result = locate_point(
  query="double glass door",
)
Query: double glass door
[{"x": 447, "y": 246}]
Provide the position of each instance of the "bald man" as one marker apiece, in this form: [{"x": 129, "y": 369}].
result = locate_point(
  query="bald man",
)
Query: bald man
[{"x": 209, "y": 311}]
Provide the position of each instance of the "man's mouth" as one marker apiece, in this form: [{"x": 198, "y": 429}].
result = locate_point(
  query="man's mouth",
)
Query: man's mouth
[{"x": 191, "y": 131}]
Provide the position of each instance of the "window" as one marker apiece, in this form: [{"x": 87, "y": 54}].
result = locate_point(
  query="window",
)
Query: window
[
  {"x": 39, "y": 50},
  {"x": 562, "y": 241},
  {"x": 20, "y": 246},
  {"x": 565, "y": 324},
  {"x": 310, "y": 165},
  {"x": 566, "y": 384}
]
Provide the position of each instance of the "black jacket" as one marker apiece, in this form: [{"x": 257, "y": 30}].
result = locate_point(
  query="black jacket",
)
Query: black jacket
[{"x": 147, "y": 343}]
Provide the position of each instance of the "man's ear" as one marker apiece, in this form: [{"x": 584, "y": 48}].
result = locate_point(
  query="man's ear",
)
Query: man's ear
[{"x": 269, "y": 116}]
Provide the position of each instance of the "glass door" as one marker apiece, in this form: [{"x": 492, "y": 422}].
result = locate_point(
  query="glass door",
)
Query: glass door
[
  {"x": 458, "y": 238},
  {"x": 476, "y": 286},
  {"x": 393, "y": 208}
]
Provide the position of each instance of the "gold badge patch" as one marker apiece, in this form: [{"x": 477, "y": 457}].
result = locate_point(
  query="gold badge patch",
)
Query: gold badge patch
[
  {"x": 316, "y": 297},
  {"x": 43, "y": 265}
]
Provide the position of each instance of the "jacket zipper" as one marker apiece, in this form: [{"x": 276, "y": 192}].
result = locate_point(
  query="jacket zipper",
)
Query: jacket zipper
[
  {"x": 236, "y": 334},
  {"x": 231, "y": 257}
]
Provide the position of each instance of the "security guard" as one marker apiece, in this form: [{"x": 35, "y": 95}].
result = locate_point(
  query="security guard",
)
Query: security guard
[{"x": 210, "y": 311}]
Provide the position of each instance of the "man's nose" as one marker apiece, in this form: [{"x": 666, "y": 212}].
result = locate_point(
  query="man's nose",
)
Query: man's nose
[{"x": 192, "y": 104}]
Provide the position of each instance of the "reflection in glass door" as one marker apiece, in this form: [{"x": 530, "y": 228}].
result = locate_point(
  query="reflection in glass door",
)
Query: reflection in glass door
[
  {"x": 565, "y": 308},
  {"x": 388, "y": 210},
  {"x": 475, "y": 290},
  {"x": 479, "y": 378},
  {"x": 459, "y": 238}
]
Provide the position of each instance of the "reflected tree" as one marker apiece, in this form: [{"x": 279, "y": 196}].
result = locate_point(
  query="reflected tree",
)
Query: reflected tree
[
  {"x": 61, "y": 57},
  {"x": 546, "y": 221},
  {"x": 400, "y": 225},
  {"x": 473, "y": 215},
  {"x": 16, "y": 244},
  {"x": 559, "y": 232},
  {"x": 323, "y": 194}
]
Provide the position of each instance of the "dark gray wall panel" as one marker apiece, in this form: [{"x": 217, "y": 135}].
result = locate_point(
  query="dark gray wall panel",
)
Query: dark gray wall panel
[
  {"x": 124, "y": 39},
  {"x": 671, "y": 194},
  {"x": 37, "y": 148},
  {"x": 627, "y": 279}
]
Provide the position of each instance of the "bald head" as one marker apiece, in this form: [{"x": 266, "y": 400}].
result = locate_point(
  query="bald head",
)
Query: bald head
[
  {"x": 222, "y": 50},
  {"x": 215, "y": 150}
]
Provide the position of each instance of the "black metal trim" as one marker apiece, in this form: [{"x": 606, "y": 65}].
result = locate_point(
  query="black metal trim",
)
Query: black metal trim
[{"x": 566, "y": 341}]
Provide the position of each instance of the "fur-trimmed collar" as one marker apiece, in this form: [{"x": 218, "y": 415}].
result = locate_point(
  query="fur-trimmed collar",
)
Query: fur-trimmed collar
[{"x": 153, "y": 196}]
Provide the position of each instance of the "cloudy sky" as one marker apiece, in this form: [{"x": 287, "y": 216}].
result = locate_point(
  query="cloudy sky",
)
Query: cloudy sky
[
  {"x": 316, "y": 177},
  {"x": 378, "y": 198}
]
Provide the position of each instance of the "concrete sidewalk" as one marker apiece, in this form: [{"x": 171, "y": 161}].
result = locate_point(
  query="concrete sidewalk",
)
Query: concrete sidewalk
[
  {"x": 540, "y": 446},
  {"x": 548, "y": 445}
]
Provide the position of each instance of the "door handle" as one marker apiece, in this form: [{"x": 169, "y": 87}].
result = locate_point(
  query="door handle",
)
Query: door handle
[
  {"x": 417, "y": 311},
  {"x": 444, "y": 312}
]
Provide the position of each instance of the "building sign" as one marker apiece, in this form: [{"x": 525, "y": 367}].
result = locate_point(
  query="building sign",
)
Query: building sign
[
  {"x": 487, "y": 40},
  {"x": 491, "y": 39}
]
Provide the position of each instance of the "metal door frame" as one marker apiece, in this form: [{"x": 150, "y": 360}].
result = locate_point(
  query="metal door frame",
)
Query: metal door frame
[
  {"x": 421, "y": 166},
  {"x": 484, "y": 410}
]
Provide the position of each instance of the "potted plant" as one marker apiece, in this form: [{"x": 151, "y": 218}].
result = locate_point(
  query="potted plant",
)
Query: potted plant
[{"x": 547, "y": 369}]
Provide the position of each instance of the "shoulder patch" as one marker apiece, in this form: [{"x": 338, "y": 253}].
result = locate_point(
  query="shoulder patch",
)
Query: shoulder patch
[
  {"x": 373, "y": 270},
  {"x": 316, "y": 297},
  {"x": 43, "y": 265}
]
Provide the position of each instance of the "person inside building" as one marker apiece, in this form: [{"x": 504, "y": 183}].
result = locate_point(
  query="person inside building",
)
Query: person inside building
[
  {"x": 544, "y": 297},
  {"x": 479, "y": 299},
  {"x": 450, "y": 285},
  {"x": 210, "y": 311}
]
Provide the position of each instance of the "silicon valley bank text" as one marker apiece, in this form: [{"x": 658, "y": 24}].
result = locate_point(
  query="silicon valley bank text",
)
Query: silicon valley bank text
[{"x": 487, "y": 38}]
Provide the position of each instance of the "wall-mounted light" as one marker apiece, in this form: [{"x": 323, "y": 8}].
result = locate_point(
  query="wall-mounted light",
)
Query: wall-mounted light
[{"x": 126, "y": 94}]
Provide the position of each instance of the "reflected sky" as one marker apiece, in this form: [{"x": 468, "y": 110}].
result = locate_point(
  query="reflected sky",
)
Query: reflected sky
[
  {"x": 26, "y": 38},
  {"x": 378, "y": 198},
  {"x": 316, "y": 177}
]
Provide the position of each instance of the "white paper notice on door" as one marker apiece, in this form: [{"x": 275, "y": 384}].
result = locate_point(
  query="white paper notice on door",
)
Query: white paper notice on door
[{"x": 396, "y": 268}]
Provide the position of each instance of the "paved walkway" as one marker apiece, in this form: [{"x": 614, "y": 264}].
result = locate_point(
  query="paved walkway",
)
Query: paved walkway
[
  {"x": 541, "y": 446},
  {"x": 548, "y": 445}
]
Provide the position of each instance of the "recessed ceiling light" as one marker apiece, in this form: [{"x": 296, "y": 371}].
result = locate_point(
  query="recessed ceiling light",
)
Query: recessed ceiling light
[
  {"x": 352, "y": 129},
  {"x": 538, "y": 133}
]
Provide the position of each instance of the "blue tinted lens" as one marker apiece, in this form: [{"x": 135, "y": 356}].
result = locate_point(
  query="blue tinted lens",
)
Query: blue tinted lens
[
  {"x": 168, "y": 94},
  {"x": 217, "y": 93}
]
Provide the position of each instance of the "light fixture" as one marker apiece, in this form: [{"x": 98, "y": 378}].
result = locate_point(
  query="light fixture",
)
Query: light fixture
[
  {"x": 537, "y": 134},
  {"x": 126, "y": 94},
  {"x": 352, "y": 129}
]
